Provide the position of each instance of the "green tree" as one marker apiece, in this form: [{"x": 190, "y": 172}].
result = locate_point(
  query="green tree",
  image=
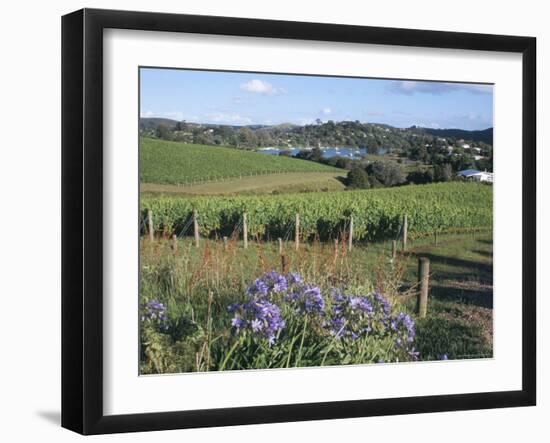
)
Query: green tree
[
  {"x": 163, "y": 132},
  {"x": 387, "y": 173},
  {"x": 443, "y": 173},
  {"x": 420, "y": 177},
  {"x": 358, "y": 178}
]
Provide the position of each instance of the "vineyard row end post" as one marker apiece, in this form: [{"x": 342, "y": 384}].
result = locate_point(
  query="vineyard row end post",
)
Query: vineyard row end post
[
  {"x": 245, "y": 231},
  {"x": 150, "y": 226},
  {"x": 297, "y": 232},
  {"x": 423, "y": 280},
  {"x": 405, "y": 231},
  {"x": 196, "y": 228},
  {"x": 350, "y": 233}
]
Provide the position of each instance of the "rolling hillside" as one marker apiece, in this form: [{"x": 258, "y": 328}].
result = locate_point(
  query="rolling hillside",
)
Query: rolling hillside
[{"x": 165, "y": 162}]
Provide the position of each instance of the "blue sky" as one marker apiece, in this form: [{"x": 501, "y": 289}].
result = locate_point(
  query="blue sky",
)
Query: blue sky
[{"x": 252, "y": 98}]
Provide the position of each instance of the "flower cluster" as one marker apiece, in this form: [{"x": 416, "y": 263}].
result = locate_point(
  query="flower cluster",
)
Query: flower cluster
[
  {"x": 259, "y": 316},
  {"x": 270, "y": 282},
  {"x": 306, "y": 299},
  {"x": 351, "y": 315},
  {"x": 381, "y": 305},
  {"x": 403, "y": 325},
  {"x": 155, "y": 312},
  {"x": 355, "y": 316}
]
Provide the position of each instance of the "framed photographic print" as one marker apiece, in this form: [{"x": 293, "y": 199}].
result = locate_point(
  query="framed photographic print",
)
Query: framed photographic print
[{"x": 269, "y": 221}]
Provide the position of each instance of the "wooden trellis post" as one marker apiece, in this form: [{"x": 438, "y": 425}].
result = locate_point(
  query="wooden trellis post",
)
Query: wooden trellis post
[
  {"x": 225, "y": 243},
  {"x": 350, "y": 233},
  {"x": 174, "y": 243},
  {"x": 245, "y": 231},
  {"x": 196, "y": 228},
  {"x": 150, "y": 226},
  {"x": 393, "y": 249},
  {"x": 280, "y": 246},
  {"x": 405, "y": 231},
  {"x": 297, "y": 232},
  {"x": 423, "y": 280}
]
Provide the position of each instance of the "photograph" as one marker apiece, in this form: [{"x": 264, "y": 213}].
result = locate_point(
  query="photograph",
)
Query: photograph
[{"x": 291, "y": 220}]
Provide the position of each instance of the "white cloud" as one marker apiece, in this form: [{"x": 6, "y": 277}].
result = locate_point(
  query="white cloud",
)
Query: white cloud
[
  {"x": 326, "y": 111},
  {"x": 261, "y": 87},
  {"x": 147, "y": 114},
  {"x": 229, "y": 118}
]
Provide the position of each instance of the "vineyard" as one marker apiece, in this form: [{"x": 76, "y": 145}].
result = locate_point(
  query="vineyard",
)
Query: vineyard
[
  {"x": 377, "y": 214},
  {"x": 168, "y": 162}
]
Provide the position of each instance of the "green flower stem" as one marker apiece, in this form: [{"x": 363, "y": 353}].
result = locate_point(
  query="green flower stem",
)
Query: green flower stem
[
  {"x": 299, "y": 358},
  {"x": 226, "y": 359}
]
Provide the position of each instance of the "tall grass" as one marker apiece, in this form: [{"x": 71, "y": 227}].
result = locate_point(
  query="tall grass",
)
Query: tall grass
[{"x": 196, "y": 285}]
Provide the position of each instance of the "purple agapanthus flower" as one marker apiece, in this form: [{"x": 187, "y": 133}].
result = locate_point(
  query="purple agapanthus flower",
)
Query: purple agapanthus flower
[
  {"x": 258, "y": 289},
  {"x": 258, "y": 316},
  {"x": 306, "y": 299},
  {"x": 155, "y": 312},
  {"x": 271, "y": 282},
  {"x": 404, "y": 325},
  {"x": 381, "y": 303},
  {"x": 351, "y": 315},
  {"x": 293, "y": 278}
]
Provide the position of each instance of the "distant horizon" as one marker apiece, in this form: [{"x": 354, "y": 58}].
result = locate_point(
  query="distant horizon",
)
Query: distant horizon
[
  {"x": 296, "y": 124},
  {"x": 249, "y": 99}
]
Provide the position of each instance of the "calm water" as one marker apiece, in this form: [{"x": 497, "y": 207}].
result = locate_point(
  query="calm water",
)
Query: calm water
[{"x": 352, "y": 153}]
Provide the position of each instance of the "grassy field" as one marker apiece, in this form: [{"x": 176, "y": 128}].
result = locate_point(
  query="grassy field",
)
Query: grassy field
[
  {"x": 197, "y": 285},
  {"x": 165, "y": 162},
  {"x": 262, "y": 184}
]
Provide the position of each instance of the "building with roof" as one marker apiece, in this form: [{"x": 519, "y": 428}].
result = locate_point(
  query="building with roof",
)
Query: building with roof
[{"x": 474, "y": 174}]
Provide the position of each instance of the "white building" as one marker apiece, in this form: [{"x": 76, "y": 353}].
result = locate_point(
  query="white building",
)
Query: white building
[{"x": 474, "y": 174}]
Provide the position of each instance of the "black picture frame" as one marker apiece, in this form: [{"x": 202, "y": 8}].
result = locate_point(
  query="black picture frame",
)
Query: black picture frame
[{"x": 82, "y": 215}]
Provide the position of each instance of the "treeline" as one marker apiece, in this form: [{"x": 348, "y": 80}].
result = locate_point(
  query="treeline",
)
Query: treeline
[
  {"x": 387, "y": 174},
  {"x": 414, "y": 143},
  {"x": 365, "y": 174}
]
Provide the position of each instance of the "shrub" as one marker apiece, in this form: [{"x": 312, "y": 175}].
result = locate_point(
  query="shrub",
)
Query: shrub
[{"x": 358, "y": 178}]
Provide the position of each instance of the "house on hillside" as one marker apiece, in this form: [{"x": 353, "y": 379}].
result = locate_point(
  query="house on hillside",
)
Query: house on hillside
[{"x": 474, "y": 174}]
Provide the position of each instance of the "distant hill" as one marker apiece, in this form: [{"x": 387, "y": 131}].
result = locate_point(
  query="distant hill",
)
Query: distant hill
[
  {"x": 372, "y": 136},
  {"x": 485, "y": 136},
  {"x": 166, "y": 162},
  {"x": 151, "y": 123}
]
